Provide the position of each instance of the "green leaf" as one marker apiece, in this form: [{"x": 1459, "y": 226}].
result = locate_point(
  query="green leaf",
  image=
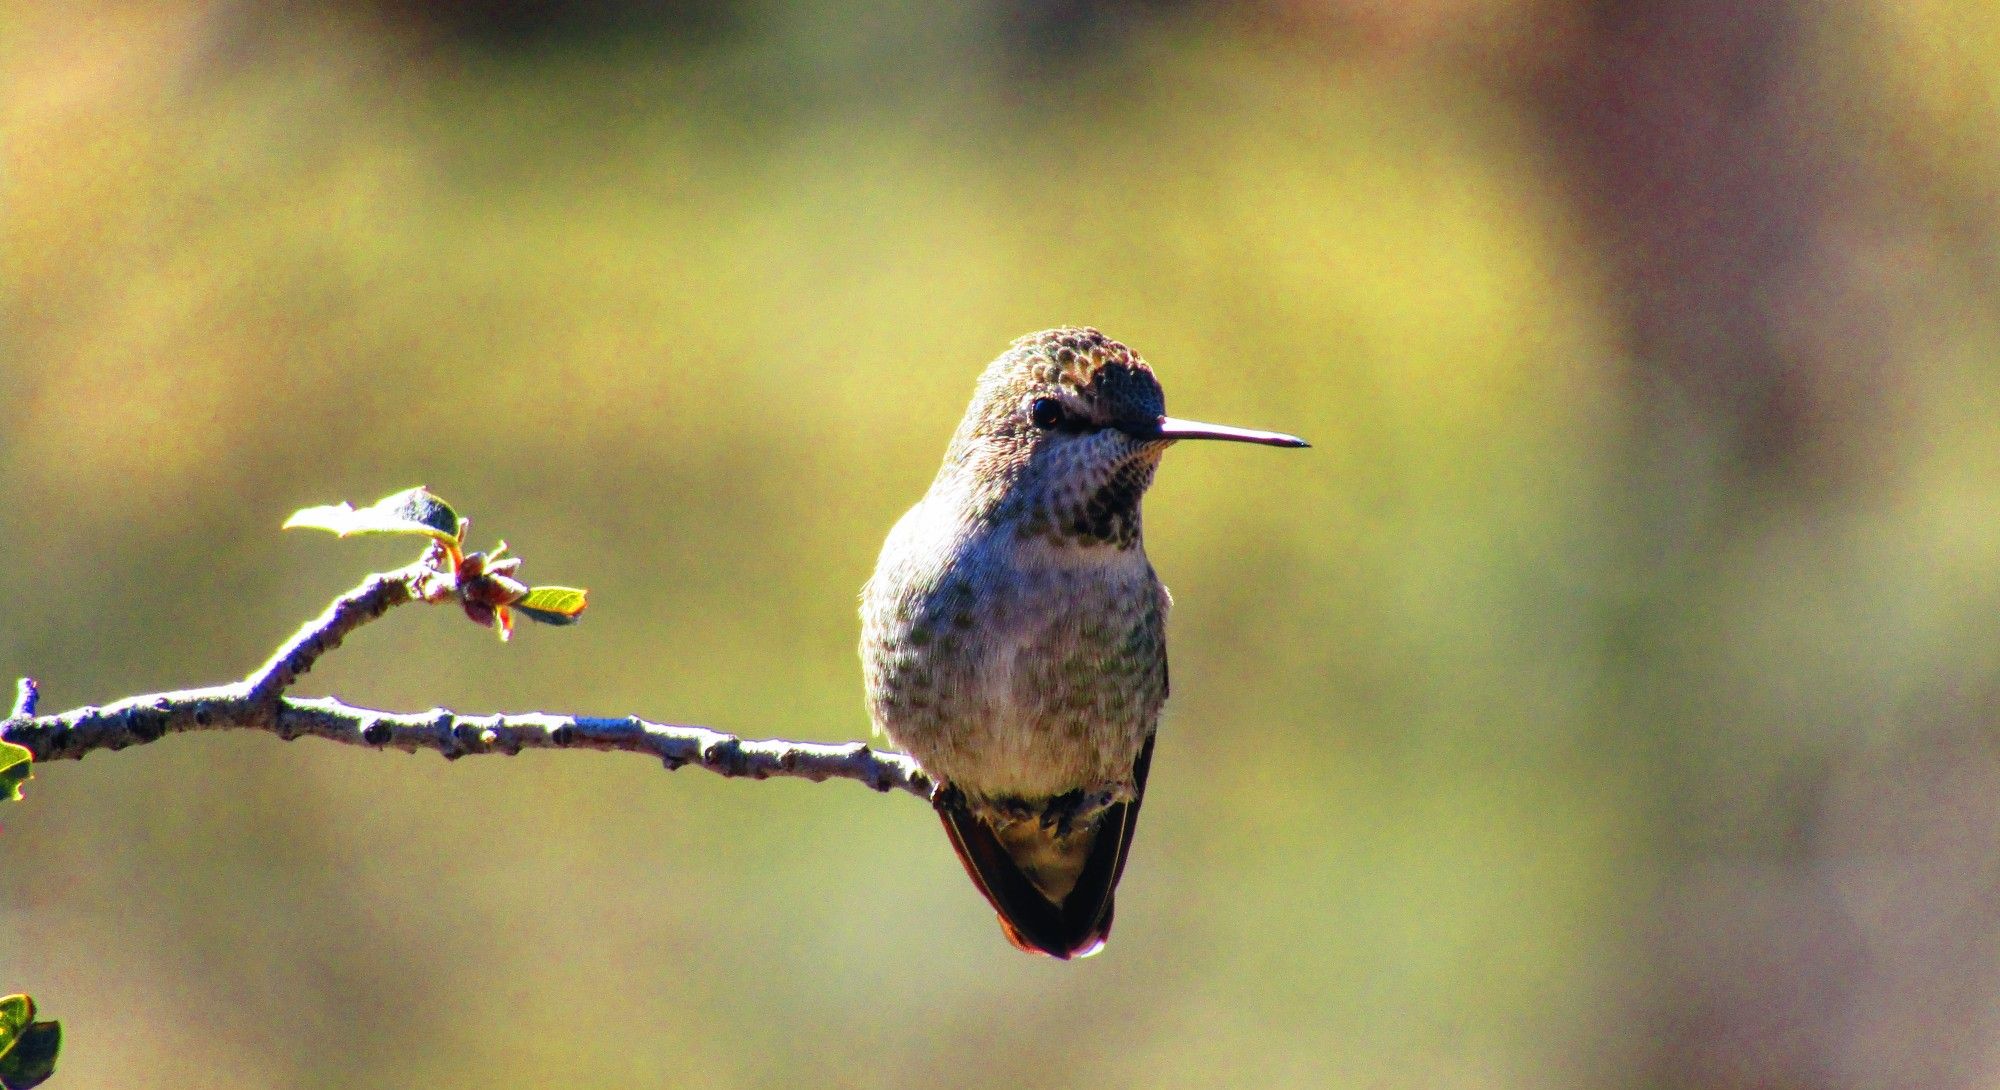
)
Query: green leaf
[
  {"x": 16, "y": 1013},
  {"x": 33, "y": 1058},
  {"x": 553, "y": 605},
  {"x": 14, "y": 763},
  {"x": 413, "y": 511}
]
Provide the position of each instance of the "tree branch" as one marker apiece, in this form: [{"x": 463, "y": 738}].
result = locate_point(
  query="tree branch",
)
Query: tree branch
[
  {"x": 258, "y": 703},
  {"x": 323, "y": 633}
]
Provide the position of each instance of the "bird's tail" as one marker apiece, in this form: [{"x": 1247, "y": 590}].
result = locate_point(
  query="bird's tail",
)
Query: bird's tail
[{"x": 1051, "y": 887}]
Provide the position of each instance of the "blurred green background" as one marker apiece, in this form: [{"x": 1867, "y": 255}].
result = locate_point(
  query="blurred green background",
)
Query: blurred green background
[{"x": 1608, "y": 698}]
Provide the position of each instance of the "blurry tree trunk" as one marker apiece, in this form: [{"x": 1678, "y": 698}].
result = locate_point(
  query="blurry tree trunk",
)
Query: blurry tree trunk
[
  {"x": 1699, "y": 146},
  {"x": 1700, "y": 143}
]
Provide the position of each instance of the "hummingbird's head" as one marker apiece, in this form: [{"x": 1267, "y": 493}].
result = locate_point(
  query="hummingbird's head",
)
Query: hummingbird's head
[{"x": 1064, "y": 432}]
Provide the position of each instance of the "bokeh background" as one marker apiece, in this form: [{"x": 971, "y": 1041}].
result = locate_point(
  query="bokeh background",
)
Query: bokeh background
[{"x": 1610, "y": 698}]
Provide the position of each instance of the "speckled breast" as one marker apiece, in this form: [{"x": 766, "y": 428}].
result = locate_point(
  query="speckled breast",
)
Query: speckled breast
[{"x": 1012, "y": 670}]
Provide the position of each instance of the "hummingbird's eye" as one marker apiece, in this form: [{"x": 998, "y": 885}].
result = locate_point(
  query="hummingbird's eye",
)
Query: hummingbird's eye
[{"x": 1046, "y": 413}]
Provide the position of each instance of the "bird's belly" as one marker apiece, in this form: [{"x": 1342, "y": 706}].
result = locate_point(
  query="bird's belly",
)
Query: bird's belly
[{"x": 1025, "y": 687}]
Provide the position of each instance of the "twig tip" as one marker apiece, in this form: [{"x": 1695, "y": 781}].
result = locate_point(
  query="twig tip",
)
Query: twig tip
[{"x": 27, "y": 695}]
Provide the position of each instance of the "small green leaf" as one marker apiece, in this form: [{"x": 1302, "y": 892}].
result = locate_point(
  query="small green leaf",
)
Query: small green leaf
[
  {"x": 553, "y": 605},
  {"x": 14, "y": 764},
  {"x": 16, "y": 1013},
  {"x": 33, "y": 1058},
  {"x": 413, "y": 511}
]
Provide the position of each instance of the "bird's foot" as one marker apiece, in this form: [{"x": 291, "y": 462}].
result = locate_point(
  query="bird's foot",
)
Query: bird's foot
[
  {"x": 946, "y": 796},
  {"x": 1060, "y": 814},
  {"x": 1063, "y": 813}
]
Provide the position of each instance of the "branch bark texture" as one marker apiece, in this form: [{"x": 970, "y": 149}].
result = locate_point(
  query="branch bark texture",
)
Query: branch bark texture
[{"x": 258, "y": 703}]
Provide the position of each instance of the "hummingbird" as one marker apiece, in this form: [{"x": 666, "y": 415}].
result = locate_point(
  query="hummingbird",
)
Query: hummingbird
[{"x": 1014, "y": 633}]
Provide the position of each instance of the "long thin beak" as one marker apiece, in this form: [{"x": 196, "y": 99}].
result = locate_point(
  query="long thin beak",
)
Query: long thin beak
[{"x": 1173, "y": 428}]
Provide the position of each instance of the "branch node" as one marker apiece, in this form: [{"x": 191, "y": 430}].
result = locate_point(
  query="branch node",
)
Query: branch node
[
  {"x": 451, "y": 743},
  {"x": 149, "y": 726},
  {"x": 725, "y": 755},
  {"x": 376, "y": 733},
  {"x": 879, "y": 779}
]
